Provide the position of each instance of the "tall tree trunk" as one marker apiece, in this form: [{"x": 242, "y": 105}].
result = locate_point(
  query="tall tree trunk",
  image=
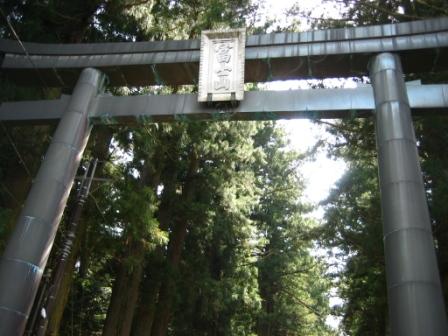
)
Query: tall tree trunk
[
  {"x": 150, "y": 286},
  {"x": 149, "y": 290},
  {"x": 60, "y": 268},
  {"x": 168, "y": 287},
  {"x": 267, "y": 293},
  {"x": 62, "y": 294},
  {"x": 176, "y": 241},
  {"x": 265, "y": 324},
  {"x": 125, "y": 293},
  {"x": 101, "y": 139}
]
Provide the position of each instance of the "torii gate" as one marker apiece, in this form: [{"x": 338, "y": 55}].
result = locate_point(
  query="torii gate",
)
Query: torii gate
[{"x": 416, "y": 304}]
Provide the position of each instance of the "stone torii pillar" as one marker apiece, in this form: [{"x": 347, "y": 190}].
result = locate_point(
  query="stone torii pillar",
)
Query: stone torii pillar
[
  {"x": 415, "y": 298},
  {"x": 26, "y": 254}
]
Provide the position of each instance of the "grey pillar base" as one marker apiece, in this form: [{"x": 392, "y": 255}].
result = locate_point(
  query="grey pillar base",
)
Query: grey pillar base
[
  {"x": 28, "y": 249},
  {"x": 416, "y": 306}
]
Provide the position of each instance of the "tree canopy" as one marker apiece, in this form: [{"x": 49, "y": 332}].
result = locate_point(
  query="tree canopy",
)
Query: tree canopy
[{"x": 200, "y": 228}]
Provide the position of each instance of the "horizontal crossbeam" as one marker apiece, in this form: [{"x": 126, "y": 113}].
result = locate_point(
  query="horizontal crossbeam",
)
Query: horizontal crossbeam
[
  {"x": 342, "y": 52},
  {"x": 257, "y": 105}
]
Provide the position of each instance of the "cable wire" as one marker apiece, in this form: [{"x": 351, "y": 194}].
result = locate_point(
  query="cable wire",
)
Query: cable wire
[{"x": 17, "y": 37}]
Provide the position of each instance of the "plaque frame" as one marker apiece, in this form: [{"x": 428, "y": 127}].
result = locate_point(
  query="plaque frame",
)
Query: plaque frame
[{"x": 223, "y": 79}]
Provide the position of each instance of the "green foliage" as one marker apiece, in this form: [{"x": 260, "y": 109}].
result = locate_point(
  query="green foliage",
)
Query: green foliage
[
  {"x": 209, "y": 210},
  {"x": 432, "y": 138},
  {"x": 224, "y": 295},
  {"x": 380, "y": 11},
  {"x": 353, "y": 230},
  {"x": 293, "y": 290}
]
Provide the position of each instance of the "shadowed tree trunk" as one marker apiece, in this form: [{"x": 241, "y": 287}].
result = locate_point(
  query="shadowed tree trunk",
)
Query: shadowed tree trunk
[
  {"x": 176, "y": 241},
  {"x": 150, "y": 286},
  {"x": 101, "y": 140},
  {"x": 125, "y": 293},
  {"x": 62, "y": 295},
  {"x": 146, "y": 309},
  {"x": 60, "y": 269},
  {"x": 267, "y": 292}
]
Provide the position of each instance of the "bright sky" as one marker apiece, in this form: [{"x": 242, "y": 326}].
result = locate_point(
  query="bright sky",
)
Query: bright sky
[
  {"x": 322, "y": 173},
  {"x": 275, "y": 9}
]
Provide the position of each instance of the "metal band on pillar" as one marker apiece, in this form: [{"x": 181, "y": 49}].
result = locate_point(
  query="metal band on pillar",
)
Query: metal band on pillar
[
  {"x": 416, "y": 306},
  {"x": 28, "y": 249}
]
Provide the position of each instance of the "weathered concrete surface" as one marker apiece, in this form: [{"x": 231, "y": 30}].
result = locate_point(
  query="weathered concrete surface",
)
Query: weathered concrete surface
[
  {"x": 316, "y": 54},
  {"x": 257, "y": 105}
]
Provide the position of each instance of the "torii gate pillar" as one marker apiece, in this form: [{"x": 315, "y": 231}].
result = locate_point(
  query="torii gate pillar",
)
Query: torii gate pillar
[
  {"x": 416, "y": 306},
  {"x": 28, "y": 248}
]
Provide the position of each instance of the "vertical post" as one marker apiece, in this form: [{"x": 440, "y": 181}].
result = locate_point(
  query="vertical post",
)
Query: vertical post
[
  {"x": 26, "y": 254},
  {"x": 416, "y": 306}
]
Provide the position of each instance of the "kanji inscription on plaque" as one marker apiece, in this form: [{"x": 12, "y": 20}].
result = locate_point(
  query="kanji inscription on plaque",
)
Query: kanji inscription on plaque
[{"x": 221, "y": 73}]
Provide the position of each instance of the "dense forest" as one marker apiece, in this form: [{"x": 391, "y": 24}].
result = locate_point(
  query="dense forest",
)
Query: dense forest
[{"x": 200, "y": 228}]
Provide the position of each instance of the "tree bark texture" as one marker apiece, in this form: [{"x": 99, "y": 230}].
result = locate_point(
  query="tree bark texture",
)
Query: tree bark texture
[
  {"x": 176, "y": 241},
  {"x": 100, "y": 140},
  {"x": 125, "y": 293}
]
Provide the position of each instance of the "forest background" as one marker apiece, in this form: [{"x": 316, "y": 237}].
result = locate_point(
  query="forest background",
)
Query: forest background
[{"x": 201, "y": 228}]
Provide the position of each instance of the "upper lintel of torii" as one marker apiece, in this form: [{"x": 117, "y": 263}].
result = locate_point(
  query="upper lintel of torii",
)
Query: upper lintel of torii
[{"x": 342, "y": 52}]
